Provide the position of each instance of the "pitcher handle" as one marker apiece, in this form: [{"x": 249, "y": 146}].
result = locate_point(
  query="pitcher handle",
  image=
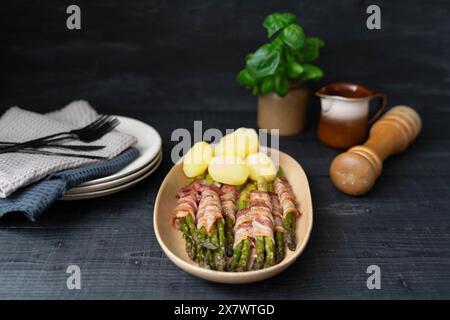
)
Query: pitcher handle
[{"x": 381, "y": 106}]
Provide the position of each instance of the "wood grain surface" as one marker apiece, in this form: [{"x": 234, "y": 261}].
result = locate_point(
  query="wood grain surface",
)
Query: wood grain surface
[{"x": 172, "y": 62}]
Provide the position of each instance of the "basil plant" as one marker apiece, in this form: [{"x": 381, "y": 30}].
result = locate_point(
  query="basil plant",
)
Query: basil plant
[{"x": 284, "y": 60}]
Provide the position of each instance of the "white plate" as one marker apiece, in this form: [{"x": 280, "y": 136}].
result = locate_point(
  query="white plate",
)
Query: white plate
[
  {"x": 116, "y": 182},
  {"x": 148, "y": 143},
  {"x": 106, "y": 192}
]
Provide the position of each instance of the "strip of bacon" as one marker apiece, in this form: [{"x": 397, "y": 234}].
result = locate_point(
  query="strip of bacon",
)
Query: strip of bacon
[
  {"x": 209, "y": 209},
  {"x": 255, "y": 221},
  {"x": 286, "y": 197},
  {"x": 228, "y": 198},
  {"x": 200, "y": 186},
  {"x": 277, "y": 212},
  {"x": 186, "y": 205},
  {"x": 260, "y": 199},
  {"x": 261, "y": 206}
]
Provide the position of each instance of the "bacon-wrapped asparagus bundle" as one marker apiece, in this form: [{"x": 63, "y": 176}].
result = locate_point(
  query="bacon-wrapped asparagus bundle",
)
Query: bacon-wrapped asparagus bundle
[
  {"x": 253, "y": 231},
  {"x": 290, "y": 212},
  {"x": 209, "y": 212},
  {"x": 229, "y": 197},
  {"x": 241, "y": 239},
  {"x": 184, "y": 217},
  {"x": 263, "y": 226}
]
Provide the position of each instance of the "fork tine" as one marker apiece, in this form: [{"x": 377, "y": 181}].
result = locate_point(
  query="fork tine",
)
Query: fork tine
[
  {"x": 108, "y": 127},
  {"x": 96, "y": 123},
  {"x": 100, "y": 129},
  {"x": 91, "y": 129},
  {"x": 93, "y": 124}
]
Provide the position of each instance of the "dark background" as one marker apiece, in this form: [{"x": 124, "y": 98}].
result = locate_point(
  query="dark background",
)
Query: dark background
[{"x": 172, "y": 62}]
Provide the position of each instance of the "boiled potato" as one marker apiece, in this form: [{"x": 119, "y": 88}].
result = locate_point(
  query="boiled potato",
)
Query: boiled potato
[
  {"x": 196, "y": 160},
  {"x": 228, "y": 169},
  {"x": 241, "y": 143},
  {"x": 260, "y": 165}
]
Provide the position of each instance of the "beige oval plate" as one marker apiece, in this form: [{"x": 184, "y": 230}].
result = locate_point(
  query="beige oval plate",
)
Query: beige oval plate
[{"x": 173, "y": 244}]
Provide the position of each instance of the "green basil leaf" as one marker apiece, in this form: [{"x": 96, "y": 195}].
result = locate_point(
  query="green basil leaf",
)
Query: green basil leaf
[
  {"x": 267, "y": 85},
  {"x": 255, "y": 90},
  {"x": 311, "y": 72},
  {"x": 294, "y": 69},
  {"x": 293, "y": 36},
  {"x": 281, "y": 86},
  {"x": 277, "y": 85},
  {"x": 264, "y": 61},
  {"x": 277, "y": 21},
  {"x": 310, "y": 51},
  {"x": 246, "y": 79},
  {"x": 284, "y": 87}
]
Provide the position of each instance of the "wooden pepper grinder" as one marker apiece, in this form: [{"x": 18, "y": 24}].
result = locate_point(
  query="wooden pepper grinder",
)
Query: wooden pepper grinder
[{"x": 354, "y": 172}]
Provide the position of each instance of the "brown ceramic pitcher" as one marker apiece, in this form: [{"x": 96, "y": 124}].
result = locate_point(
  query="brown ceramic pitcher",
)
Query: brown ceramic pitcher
[{"x": 344, "y": 119}]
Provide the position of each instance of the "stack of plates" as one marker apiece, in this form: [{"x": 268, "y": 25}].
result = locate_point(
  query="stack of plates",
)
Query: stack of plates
[{"x": 149, "y": 146}]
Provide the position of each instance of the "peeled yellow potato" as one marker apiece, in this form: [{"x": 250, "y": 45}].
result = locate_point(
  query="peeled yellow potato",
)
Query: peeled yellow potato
[
  {"x": 249, "y": 138},
  {"x": 196, "y": 160},
  {"x": 228, "y": 169},
  {"x": 260, "y": 165},
  {"x": 241, "y": 142}
]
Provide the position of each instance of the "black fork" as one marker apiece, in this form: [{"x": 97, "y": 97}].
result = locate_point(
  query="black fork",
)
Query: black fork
[
  {"x": 89, "y": 133},
  {"x": 50, "y": 144}
]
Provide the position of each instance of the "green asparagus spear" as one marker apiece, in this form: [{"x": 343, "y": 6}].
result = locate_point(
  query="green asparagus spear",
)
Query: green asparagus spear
[
  {"x": 221, "y": 264},
  {"x": 210, "y": 256},
  {"x": 201, "y": 250},
  {"x": 242, "y": 202},
  {"x": 279, "y": 244},
  {"x": 210, "y": 252},
  {"x": 219, "y": 259},
  {"x": 270, "y": 255},
  {"x": 190, "y": 246},
  {"x": 206, "y": 241},
  {"x": 237, "y": 250},
  {"x": 261, "y": 184},
  {"x": 245, "y": 255},
  {"x": 192, "y": 229},
  {"x": 289, "y": 230},
  {"x": 260, "y": 247},
  {"x": 229, "y": 236}
]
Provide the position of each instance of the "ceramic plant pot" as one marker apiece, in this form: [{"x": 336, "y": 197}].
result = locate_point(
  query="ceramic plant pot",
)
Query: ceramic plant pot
[{"x": 288, "y": 114}]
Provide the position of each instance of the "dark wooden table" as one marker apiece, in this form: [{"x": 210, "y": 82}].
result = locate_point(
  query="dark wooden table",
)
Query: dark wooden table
[{"x": 170, "y": 63}]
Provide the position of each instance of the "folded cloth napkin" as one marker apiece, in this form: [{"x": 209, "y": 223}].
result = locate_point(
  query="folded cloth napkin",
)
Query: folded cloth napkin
[
  {"x": 17, "y": 125},
  {"x": 32, "y": 200}
]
